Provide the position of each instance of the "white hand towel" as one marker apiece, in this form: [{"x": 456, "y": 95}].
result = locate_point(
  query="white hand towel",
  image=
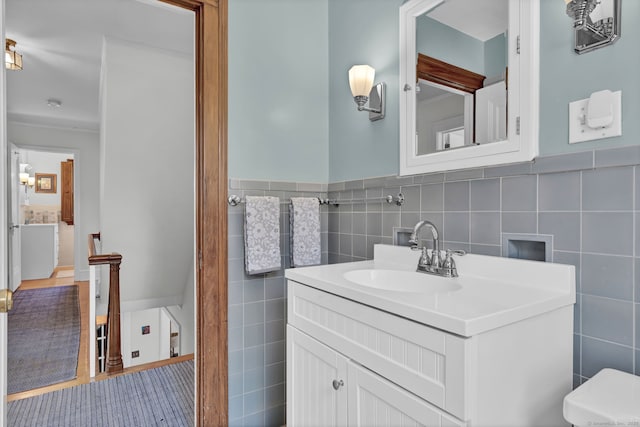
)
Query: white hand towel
[
  {"x": 262, "y": 234},
  {"x": 305, "y": 231}
]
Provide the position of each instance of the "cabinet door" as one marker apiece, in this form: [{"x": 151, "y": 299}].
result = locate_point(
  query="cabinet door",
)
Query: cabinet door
[
  {"x": 374, "y": 401},
  {"x": 312, "y": 397},
  {"x": 66, "y": 199}
]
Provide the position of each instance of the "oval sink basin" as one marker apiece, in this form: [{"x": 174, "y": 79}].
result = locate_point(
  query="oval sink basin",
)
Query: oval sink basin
[{"x": 401, "y": 281}]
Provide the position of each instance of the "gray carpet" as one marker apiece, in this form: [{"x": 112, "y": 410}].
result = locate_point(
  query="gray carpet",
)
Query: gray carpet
[
  {"x": 44, "y": 338},
  {"x": 157, "y": 397}
]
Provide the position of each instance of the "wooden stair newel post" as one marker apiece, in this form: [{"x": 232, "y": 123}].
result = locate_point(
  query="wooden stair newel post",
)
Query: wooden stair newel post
[{"x": 114, "y": 352}]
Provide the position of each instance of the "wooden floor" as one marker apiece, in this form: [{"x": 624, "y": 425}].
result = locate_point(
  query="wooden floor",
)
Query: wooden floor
[{"x": 83, "y": 353}]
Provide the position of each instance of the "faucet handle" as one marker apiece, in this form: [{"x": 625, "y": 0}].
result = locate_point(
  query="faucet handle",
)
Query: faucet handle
[
  {"x": 449, "y": 265},
  {"x": 459, "y": 252},
  {"x": 424, "y": 258}
]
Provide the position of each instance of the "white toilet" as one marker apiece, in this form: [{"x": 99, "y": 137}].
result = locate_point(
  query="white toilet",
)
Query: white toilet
[{"x": 610, "y": 397}]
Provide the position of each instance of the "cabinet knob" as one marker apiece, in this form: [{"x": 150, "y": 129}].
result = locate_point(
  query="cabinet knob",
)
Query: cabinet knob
[{"x": 337, "y": 384}]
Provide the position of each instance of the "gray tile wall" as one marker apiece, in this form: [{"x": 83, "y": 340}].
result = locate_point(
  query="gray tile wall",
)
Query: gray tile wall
[
  {"x": 257, "y": 313},
  {"x": 588, "y": 201},
  {"x": 592, "y": 213}
]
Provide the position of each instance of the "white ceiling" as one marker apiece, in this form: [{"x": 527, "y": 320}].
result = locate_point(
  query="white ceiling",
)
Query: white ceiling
[
  {"x": 481, "y": 19},
  {"x": 61, "y": 44}
]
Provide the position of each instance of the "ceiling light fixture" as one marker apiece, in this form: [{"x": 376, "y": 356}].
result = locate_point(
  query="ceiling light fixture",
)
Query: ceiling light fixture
[
  {"x": 12, "y": 59},
  {"x": 54, "y": 103}
]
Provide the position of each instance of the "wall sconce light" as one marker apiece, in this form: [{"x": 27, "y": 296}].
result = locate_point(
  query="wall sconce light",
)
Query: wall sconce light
[
  {"x": 28, "y": 182},
  {"x": 362, "y": 88},
  {"x": 12, "y": 59},
  {"x": 596, "y": 23},
  {"x": 24, "y": 178}
]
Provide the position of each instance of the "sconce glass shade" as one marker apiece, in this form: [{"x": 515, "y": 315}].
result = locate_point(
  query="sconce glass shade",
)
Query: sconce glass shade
[
  {"x": 361, "y": 80},
  {"x": 12, "y": 59},
  {"x": 24, "y": 177},
  {"x": 31, "y": 181}
]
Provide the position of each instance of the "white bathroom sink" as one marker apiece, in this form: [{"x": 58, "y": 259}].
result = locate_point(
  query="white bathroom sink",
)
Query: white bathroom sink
[
  {"x": 401, "y": 281},
  {"x": 490, "y": 292}
]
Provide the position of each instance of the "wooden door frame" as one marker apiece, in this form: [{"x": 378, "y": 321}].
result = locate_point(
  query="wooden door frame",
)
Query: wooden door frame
[{"x": 211, "y": 209}]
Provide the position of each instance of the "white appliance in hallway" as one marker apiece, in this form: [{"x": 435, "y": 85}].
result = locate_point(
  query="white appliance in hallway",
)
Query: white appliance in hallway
[{"x": 39, "y": 250}]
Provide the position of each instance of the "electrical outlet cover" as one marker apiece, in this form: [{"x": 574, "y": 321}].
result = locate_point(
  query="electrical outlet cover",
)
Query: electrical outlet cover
[
  {"x": 578, "y": 129},
  {"x": 135, "y": 354}
]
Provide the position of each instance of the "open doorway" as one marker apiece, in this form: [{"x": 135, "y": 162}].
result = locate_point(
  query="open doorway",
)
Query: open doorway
[
  {"x": 46, "y": 201},
  {"x": 211, "y": 181},
  {"x": 48, "y": 309},
  {"x": 123, "y": 96}
]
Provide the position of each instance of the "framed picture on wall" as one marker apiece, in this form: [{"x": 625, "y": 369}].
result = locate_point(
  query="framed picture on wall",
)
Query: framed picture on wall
[{"x": 46, "y": 183}]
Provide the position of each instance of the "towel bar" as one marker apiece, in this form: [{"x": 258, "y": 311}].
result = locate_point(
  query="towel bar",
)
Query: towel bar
[{"x": 235, "y": 200}]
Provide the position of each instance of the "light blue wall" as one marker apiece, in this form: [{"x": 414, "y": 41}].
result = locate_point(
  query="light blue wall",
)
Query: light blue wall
[
  {"x": 291, "y": 116},
  {"x": 362, "y": 32},
  {"x": 495, "y": 55},
  {"x": 566, "y": 76},
  {"x": 360, "y": 149},
  {"x": 278, "y": 90},
  {"x": 449, "y": 45}
]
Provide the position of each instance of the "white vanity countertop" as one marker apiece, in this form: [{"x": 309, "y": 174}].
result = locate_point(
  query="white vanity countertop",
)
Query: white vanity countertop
[{"x": 494, "y": 291}]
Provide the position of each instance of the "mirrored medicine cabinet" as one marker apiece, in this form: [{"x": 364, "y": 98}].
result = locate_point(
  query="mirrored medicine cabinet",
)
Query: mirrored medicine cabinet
[{"x": 469, "y": 78}]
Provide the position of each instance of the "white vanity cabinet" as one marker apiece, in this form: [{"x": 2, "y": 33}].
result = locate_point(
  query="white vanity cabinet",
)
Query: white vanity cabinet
[
  {"x": 392, "y": 367},
  {"x": 313, "y": 368},
  {"x": 374, "y": 401},
  {"x": 327, "y": 389},
  {"x": 39, "y": 250},
  {"x": 331, "y": 338}
]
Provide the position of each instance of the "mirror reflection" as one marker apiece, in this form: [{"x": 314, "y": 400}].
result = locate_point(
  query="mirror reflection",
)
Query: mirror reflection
[{"x": 461, "y": 96}]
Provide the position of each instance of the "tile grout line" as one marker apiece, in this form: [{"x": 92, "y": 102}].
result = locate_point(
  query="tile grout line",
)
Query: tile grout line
[
  {"x": 501, "y": 232},
  {"x": 581, "y": 266},
  {"x": 634, "y": 311}
]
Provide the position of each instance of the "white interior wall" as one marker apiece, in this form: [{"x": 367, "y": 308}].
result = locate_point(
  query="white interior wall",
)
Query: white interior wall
[
  {"x": 152, "y": 346},
  {"x": 43, "y": 162},
  {"x": 147, "y": 167},
  {"x": 185, "y": 316},
  {"x": 84, "y": 146},
  {"x": 429, "y": 113}
]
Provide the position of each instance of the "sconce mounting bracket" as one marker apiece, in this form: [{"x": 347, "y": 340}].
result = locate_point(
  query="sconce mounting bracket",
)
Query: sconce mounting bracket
[
  {"x": 596, "y": 23},
  {"x": 377, "y": 102}
]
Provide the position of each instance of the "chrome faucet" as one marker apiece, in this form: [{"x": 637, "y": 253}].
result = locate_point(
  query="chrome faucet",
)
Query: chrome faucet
[
  {"x": 425, "y": 264},
  {"x": 434, "y": 264}
]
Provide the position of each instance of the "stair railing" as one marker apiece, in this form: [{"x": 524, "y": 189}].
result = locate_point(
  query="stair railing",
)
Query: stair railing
[{"x": 114, "y": 349}]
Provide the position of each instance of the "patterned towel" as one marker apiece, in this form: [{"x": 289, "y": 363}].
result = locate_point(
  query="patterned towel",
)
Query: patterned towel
[
  {"x": 262, "y": 234},
  {"x": 305, "y": 231}
]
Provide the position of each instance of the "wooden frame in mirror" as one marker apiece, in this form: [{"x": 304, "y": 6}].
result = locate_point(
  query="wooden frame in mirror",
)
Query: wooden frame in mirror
[
  {"x": 492, "y": 128},
  {"x": 445, "y": 105}
]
